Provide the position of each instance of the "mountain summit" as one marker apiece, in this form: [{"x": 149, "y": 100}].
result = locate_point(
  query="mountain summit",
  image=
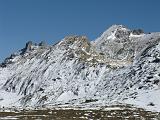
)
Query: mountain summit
[{"x": 122, "y": 66}]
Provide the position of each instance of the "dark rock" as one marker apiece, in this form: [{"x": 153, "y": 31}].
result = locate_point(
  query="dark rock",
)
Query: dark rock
[
  {"x": 149, "y": 77},
  {"x": 140, "y": 87},
  {"x": 3, "y": 65},
  {"x": 156, "y": 82},
  {"x": 157, "y": 60},
  {"x": 28, "y": 45},
  {"x": 43, "y": 43},
  {"x": 137, "y": 32},
  {"x": 151, "y": 104},
  {"x": 122, "y": 34},
  {"x": 41, "y": 89}
]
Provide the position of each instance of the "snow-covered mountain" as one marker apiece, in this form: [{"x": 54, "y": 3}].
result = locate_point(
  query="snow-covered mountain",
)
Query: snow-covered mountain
[{"x": 122, "y": 66}]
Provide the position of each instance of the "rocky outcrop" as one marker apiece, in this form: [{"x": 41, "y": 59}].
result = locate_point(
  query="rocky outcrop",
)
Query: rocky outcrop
[
  {"x": 137, "y": 32},
  {"x": 43, "y": 43}
]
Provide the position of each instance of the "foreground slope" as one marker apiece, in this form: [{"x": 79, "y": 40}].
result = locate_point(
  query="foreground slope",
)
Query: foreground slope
[{"x": 121, "y": 66}]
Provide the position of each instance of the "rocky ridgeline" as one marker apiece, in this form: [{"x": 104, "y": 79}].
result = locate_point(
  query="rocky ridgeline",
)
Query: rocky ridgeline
[{"x": 122, "y": 66}]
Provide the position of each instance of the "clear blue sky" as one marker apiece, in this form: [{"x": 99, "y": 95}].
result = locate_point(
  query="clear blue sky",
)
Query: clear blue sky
[{"x": 51, "y": 20}]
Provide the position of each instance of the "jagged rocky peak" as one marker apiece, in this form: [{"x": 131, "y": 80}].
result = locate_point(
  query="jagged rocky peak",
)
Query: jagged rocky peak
[
  {"x": 114, "y": 43},
  {"x": 28, "y": 46},
  {"x": 114, "y": 28},
  {"x": 32, "y": 46},
  {"x": 115, "y": 31},
  {"x": 137, "y": 32},
  {"x": 42, "y": 43},
  {"x": 118, "y": 33},
  {"x": 118, "y": 42},
  {"x": 75, "y": 42},
  {"x": 74, "y": 39}
]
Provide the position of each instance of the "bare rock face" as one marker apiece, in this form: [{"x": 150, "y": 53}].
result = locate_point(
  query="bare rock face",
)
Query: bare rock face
[
  {"x": 123, "y": 44},
  {"x": 116, "y": 43},
  {"x": 137, "y": 32},
  {"x": 76, "y": 42},
  {"x": 28, "y": 46},
  {"x": 43, "y": 43},
  {"x": 121, "y": 66}
]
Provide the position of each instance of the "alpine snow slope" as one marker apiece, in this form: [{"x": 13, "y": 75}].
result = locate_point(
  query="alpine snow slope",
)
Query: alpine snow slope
[{"x": 122, "y": 66}]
